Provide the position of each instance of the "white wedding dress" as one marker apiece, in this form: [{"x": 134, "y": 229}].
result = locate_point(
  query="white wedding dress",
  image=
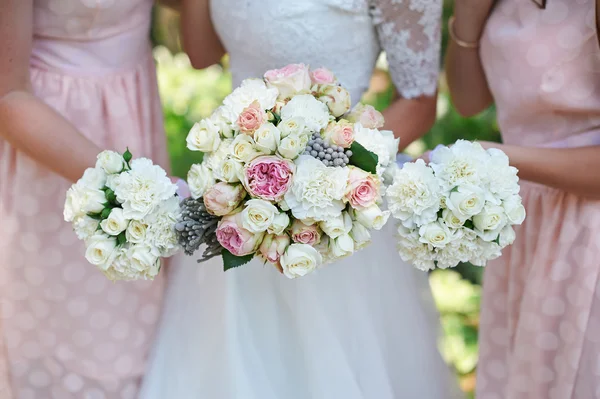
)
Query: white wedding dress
[{"x": 362, "y": 328}]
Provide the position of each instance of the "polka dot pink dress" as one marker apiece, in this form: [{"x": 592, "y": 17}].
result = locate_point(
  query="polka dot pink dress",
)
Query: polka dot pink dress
[
  {"x": 540, "y": 321},
  {"x": 65, "y": 330}
]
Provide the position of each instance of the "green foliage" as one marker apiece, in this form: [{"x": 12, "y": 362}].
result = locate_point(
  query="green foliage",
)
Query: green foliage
[
  {"x": 231, "y": 261},
  {"x": 363, "y": 158}
]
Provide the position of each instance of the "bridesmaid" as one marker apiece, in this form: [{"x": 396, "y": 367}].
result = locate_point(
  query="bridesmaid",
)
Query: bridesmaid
[
  {"x": 76, "y": 76},
  {"x": 540, "y": 63}
]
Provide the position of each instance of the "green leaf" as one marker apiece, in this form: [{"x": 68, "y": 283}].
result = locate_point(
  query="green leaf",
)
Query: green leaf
[
  {"x": 95, "y": 216},
  {"x": 497, "y": 240},
  {"x": 121, "y": 239},
  {"x": 454, "y": 189},
  {"x": 231, "y": 261},
  {"x": 127, "y": 156},
  {"x": 105, "y": 213},
  {"x": 469, "y": 224},
  {"x": 363, "y": 158},
  {"x": 110, "y": 196}
]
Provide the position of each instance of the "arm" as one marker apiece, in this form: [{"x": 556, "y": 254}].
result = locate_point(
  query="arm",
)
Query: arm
[
  {"x": 26, "y": 122},
  {"x": 409, "y": 33},
  {"x": 172, "y": 4},
  {"x": 464, "y": 72},
  {"x": 200, "y": 40},
  {"x": 573, "y": 170}
]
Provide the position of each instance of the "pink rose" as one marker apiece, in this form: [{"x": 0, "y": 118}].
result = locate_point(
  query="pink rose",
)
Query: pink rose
[
  {"x": 251, "y": 118},
  {"x": 223, "y": 198},
  {"x": 236, "y": 239},
  {"x": 321, "y": 76},
  {"x": 268, "y": 177},
  {"x": 289, "y": 80},
  {"x": 273, "y": 247},
  {"x": 335, "y": 97},
  {"x": 363, "y": 188},
  {"x": 366, "y": 115},
  {"x": 340, "y": 133},
  {"x": 305, "y": 234}
]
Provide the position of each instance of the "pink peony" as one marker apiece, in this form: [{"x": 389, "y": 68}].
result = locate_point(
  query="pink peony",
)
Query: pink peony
[
  {"x": 273, "y": 247},
  {"x": 366, "y": 115},
  {"x": 363, "y": 188},
  {"x": 305, "y": 234},
  {"x": 236, "y": 239},
  {"x": 340, "y": 133},
  {"x": 251, "y": 118},
  {"x": 289, "y": 80},
  {"x": 322, "y": 76},
  {"x": 223, "y": 198},
  {"x": 268, "y": 177}
]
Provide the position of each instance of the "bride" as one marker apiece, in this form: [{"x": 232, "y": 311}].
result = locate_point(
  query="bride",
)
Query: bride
[{"x": 362, "y": 328}]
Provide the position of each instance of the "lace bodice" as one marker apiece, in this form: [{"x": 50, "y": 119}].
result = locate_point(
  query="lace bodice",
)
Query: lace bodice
[{"x": 345, "y": 36}]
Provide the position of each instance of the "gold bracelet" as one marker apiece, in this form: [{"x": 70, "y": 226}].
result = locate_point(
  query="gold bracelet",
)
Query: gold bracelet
[{"x": 456, "y": 40}]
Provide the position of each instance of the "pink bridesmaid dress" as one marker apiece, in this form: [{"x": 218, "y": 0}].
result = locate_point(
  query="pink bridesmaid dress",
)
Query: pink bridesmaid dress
[
  {"x": 540, "y": 318},
  {"x": 65, "y": 330}
]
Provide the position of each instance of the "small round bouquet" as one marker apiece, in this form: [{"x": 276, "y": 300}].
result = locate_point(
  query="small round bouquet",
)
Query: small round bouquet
[
  {"x": 126, "y": 212},
  {"x": 290, "y": 174},
  {"x": 459, "y": 208}
]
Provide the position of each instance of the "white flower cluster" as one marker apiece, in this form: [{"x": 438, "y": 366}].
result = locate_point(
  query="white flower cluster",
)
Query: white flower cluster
[
  {"x": 125, "y": 211},
  {"x": 291, "y": 171},
  {"x": 459, "y": 208}
]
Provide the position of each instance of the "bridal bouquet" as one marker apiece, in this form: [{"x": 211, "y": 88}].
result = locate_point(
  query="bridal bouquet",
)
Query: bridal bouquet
[
  {"x": 125, "y": 211},
  {"x": 290, "y": 173},
  {"x": 459, "y": 208}
]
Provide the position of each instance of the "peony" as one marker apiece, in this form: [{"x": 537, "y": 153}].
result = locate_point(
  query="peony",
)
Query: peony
[
  {"x": 93, "y": 178},
  {"x": 363, "y": 188},
  {"x": 292, "y": 126},
  {"x": 249, "y": 91},
  {"x": 251, "y": 118},
  {"x": 342, "y": 246},
  {"x": 273, "y": 246},
  {"x": 101, "y": 250},
  {"x": 236, "y": 239},
  {"x": 360, "y": 234},
  {"x": 435, "y": 234},
  {"x": 372, "y": 217},
  {"x": 414, "y": 198},
  {"x": 224, "y": 118},
  {"x": 244, "y": 148},
  {"x": 85, "y": 227},
  {"x": 204, "y": 136},
  {"x": 111, "y": 162},
  {"x": 337, "y": 226},
  {"x": 279, "y": 224},
  {"x": 222, "y": 198},
  {"x": 291, "y": 146},
  {"x": 267, "y": 138},
  {"x": 382, "y": 143},
  {"x": 305, "y": 106},
  {"x": 115, "y": 223},
  {"x": 200, "y": 178},
  {"x": 515, "y": 211},
  {"x": 258, "y": 215},
  {"x": 136, "y": 232},
  {"x": 268, "y": 177},
  {"x": 466, "y": 201},
  {"x": 489, "y": 221},
  {"x": 289, "y": 80},
  {"x": 321, "y": 76},
  {"x": 231, "y": 170},
  {"x": 366, "y": 115},
  {"x": 305, "y": 234},
  {"x": 335, "y": 97},
  {"x": 299, "y": 260},
  {"x": 317, "y": 191},
  {"x": 340, "y": 133}
]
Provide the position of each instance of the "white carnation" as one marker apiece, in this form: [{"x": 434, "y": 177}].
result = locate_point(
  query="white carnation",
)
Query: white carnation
[
  {"x": 161, "y": 238},
  {"x": 413, "y": 251},
  {"x": 224, "y": 119},
  {"x": 73, "y": 208},
  {"x": 315, "y": 113},
  {"x": 502, "y": 178},
  {"x": 462, "y": 164},
  {"x": 85, "y": 227},
  {"x": 93, "y": 178},
  {"x": 214, "y": 160},
  {"x": 249, "y": 91}
]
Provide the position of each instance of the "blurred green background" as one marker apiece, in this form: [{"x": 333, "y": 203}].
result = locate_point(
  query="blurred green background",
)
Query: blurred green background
[{"x": 189, "y": 95}]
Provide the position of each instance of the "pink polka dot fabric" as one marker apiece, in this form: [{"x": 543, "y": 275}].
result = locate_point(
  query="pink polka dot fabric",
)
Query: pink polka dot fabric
[
  {"x": 540, "y": 318},
  {"x": 65, "y": 330}
]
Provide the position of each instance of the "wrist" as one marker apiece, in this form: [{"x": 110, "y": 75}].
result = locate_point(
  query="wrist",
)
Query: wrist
[{"x": 469, "y": 24}]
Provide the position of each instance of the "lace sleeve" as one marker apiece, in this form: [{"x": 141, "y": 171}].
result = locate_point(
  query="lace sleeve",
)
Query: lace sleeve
[{"x": 409, "y": 32}]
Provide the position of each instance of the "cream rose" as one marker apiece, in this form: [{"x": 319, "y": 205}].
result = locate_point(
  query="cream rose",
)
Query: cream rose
[
  {"x": 222, "y": 198},
  {"x": 515, "y": 211},
  {"x": 93, "y": 178},
  {"x": 143, "y": 261},
  {"x": 336, "y": 226},
  {"x": 335, "y": 97},
  {"x": 466, "y": 201},
  {"x": 279, "y": 224},
  {"x": 491, "y": 217},
  {"x": 435, "y": 234},
  {"x": 92, "y": 201},
  {"x": 340, "y": 133},
  {"x": 115, "y": 223},
  {"x": 342, "y": 246},
  {"x": 200, "y": 178},
  {"x": 289, "y": 80},
  {"x": 73, "y": 208},
  {"x": 292, "y": 126},
  {"x": 300, "y": 260},
  {"x": 267, "y": 138},
  {"x": 136, "y": 232},
  {"x": 291, "y": 146},
  {"x": 366, "y": 115},
  {"x": 101, "y": 250},
  {"x": 111, "y": 162},
  {"x": 451, "y": 220},
  {"x": 273, "y": 246},
  {"x": 258, "y": 215},
  {"x": 360, "y": 234},
  {"x": 204, "y": 136},
  {"x": 231, "y": 171},
  {"x": 372, "y": 217},
  {"x": 244, "y": 148}
]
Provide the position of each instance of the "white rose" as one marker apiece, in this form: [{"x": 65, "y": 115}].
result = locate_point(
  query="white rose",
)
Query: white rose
[
  {"x": 335, "y": 97},
  {"x": 372, "y": 217},
  {"x": 231, "y": 170},
  {"x": 435, "y": 234},
  {"x": 342, "y": 246},
  {"x": 315, "y": 113},
  {"x": 451, "y": 220},
  {"x": 92, "y": 201},
  {"x": 244, "y": 148},
  {"x": 111, "y": 162},
  {"x": 224, "y": 118},
  {"x": 279, "y": 224},
  {"x": 136, "y": 232},
  {"x": 289, "y": 80},
  {"x": 507, "y": 236},
  {"x": 93, "y": 178},
  {"x": 338, "y": 225},
  {"x": 214, "y": 160},
  {"x": 142, "y": 261},
  {"x": 85, "y": 227},
  {"x": 299, "y": 260},
  {"x": 489, "y": 221},
  {"x": 204, "y": 136},
  {"x": 115, "y": 223},
  {"x": 73, "y": 208},
  {"x": 258, "y": 215},
  {"x": 267, "y": 138},
  {"x": 283, "y": 205},
  {"x": 291, "y": 146},
  {"x": 200, "y": 178},
  {"x": 515, "y": 211},
  {"x": 101, "y": 250},
  {"x": 360, "y": 234},
  {"x": 466, "y": 201},
  {"x": 292, "y": 126}
]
